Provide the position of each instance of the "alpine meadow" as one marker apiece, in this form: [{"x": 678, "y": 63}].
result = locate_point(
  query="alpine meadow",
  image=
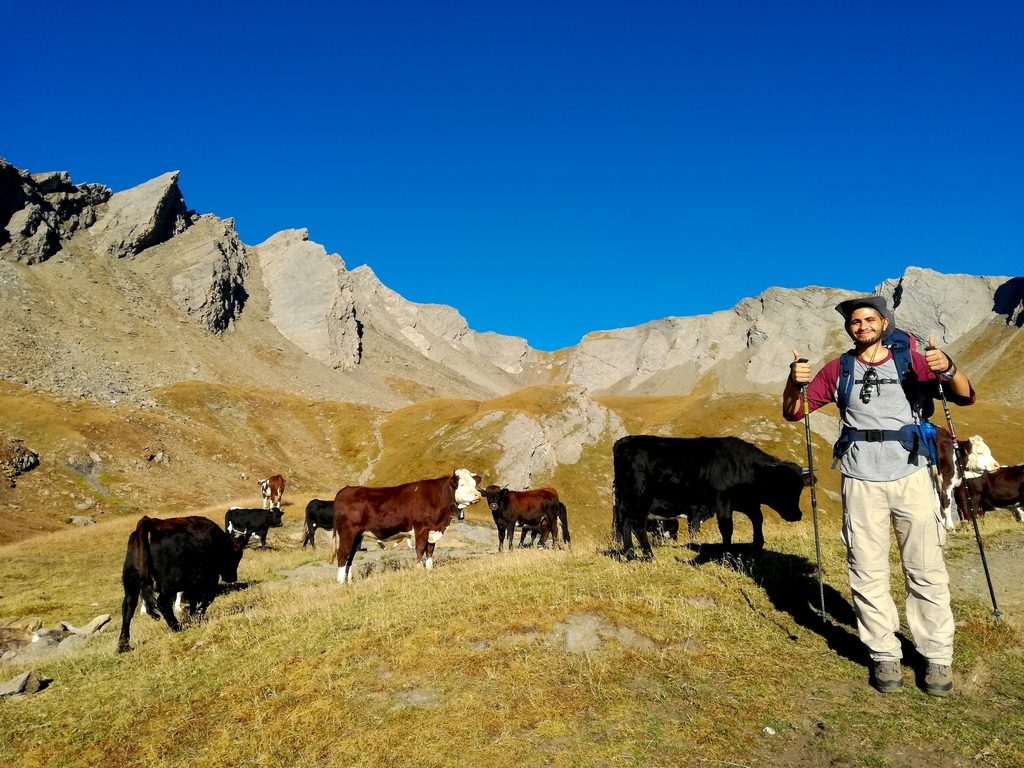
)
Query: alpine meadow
[{"x": 153, "y": 364}]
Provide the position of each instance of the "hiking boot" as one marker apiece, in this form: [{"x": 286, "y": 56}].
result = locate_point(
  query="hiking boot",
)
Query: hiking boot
[
  {"x": 938, "y": 680},
  {"x": 887, "y": 676}
]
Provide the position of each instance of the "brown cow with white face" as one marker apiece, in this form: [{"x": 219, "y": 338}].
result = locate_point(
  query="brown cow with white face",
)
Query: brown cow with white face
[
  {"x": 422, "y": 509},
  {"x": 272, "y": 489}
]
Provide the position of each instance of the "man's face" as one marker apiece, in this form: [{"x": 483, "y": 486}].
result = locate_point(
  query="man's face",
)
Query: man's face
[{"x": 866, "y": 325}]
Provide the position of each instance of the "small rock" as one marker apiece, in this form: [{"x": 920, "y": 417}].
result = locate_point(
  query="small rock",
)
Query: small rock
[
  {"x": 91, "y": 628},
  {"x": 81, "y": 520},
  {"x": 26, "y": 683}
]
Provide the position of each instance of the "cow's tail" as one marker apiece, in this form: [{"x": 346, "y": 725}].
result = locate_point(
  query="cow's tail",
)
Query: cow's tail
[
  {"x": 334, "y": 546},
  {"x": 617, "y": 516},
  {"x": 563, "y": 519},
  {"x": 310, "y": 532},
  {"x": 142, "y": 558}
]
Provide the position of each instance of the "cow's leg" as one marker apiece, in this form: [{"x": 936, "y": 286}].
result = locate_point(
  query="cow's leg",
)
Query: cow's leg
[
  {"x": 501, "y": 536},
  {"x": 510, "y": 532},
  {"x": 724, "y": 519},
  {"x": 522, "y": 538},
  {"x": 128, "y": 605},
  {"x": 429, "y": 562},
  {"x": 645, "y": 541},
  {"x": 552, "y": 517},
  {"x": 757, "y": 521},
  {"x": 421, "y": 547},
  {"x": 165, "y": 602},
  {"x": 625, "y": 532},
  {"x": 346, "y": 544}
]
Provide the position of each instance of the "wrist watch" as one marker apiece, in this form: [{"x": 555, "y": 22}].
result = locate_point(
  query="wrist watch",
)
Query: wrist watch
[{"x": 950, "y": 371}]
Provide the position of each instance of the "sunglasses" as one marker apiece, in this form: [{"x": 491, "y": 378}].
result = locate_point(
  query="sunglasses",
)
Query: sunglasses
[{"x": 870, "y": 380}]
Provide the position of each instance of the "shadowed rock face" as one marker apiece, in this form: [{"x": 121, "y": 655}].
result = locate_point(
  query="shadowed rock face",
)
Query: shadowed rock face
[
  {"x": 39, "y": 213},
  {"x": 203, "y": 270}
]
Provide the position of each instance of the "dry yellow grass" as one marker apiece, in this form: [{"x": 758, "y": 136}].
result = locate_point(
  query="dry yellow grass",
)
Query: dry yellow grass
[
  {"x": 535, "y": 658},
  {"x": 473, "y": 662}
]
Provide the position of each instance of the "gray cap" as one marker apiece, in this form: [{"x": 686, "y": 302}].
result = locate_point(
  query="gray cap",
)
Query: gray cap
[{"x": 846, "y": 308}]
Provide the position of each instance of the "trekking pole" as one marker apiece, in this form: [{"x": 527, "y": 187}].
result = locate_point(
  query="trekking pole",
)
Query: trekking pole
[
  {"x": 823, "y": 614},
  {"x": 958, "y": 460}
]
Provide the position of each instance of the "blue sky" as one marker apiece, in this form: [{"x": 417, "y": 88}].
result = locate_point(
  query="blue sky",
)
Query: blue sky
[{"x": 553, "y": 168}]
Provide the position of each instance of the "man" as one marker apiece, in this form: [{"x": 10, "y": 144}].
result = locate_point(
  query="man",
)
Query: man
[{"x": 883, "y": 458}]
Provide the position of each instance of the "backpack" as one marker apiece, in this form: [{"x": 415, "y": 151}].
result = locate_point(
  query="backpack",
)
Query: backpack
[{"x": 916, "y": 438}]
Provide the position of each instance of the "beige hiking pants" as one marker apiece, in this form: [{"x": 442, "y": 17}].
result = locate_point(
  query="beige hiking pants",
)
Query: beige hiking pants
[{"x": 912, "y": 508}]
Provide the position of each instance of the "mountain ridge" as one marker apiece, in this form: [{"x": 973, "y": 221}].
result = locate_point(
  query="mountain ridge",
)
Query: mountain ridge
[{"x": 302, "y": 305}]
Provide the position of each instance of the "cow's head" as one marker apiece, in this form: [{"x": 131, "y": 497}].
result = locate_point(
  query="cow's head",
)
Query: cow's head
[
  {"x": 780, "y": 486},
  {"x": 979, "y": 456},
  {"x": 496, "y": 497},
  {"x": 276, "y": 517},
  {"x": 466, "y": 492}
]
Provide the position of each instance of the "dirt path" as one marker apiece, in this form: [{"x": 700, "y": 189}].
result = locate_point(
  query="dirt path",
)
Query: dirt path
[{"x": 1005, "y": 557}]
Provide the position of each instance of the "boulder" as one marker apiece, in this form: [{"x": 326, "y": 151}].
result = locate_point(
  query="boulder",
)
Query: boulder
[
  {"x": 15, "y": 458},
  {"x": 91, "y": 628},
  {"x": 24, "y": 684}
]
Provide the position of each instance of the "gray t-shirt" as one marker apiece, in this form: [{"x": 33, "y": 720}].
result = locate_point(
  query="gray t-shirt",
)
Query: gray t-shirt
[{"x": 885, "y": 408}]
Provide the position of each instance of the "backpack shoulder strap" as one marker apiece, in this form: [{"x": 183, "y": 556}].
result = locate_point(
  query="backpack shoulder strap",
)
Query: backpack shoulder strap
[
  {"x": 899, "y": 345},
  {"x": 844, "y": 386}
]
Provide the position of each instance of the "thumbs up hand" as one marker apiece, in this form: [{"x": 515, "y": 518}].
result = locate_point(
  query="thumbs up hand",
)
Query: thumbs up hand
[
  {"x": 799, "y": 369},
  {"x": 938, "y": 361}
]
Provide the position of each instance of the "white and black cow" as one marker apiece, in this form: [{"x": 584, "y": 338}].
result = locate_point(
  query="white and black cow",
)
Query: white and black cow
[
  {"x": 243, "y": 523},
  {"x": 181, "y": 557},
  {"x": 977, "y": 458},
  {"x": 698, "y": 477},
  {"x": 319, "y": 514},
  {"x": 272, "y": 490}
]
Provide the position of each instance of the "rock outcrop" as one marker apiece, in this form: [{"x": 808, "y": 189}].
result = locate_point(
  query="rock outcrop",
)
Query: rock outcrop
[
  {"x": 141, "y": 217},
  {"x": 311, "y": 298},
  {"x": 533, "y": 447},
  {"x": 748, "y": 347},
  {"x": 441, "y": 335},
  {"x": 15, "y": 458},
  {"x": 40, "y": 212},
  {"x": 203, "y": 270}
]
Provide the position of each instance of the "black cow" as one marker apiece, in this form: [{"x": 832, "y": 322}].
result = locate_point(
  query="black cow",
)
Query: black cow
[
  {"x": 245, "y": 522},
  {"x": 533, "y": 507},
  {"x": 319, "y": 514},
  {"x": 180, "y": 556},
  {"x": 698, "y": 477}
]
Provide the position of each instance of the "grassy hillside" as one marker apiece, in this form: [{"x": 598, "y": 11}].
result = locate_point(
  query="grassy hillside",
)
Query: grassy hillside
[{"x": 535, "y": 658}]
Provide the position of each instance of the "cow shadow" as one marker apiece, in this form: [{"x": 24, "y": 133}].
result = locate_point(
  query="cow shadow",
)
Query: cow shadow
[{"x": 790, "y": 582}]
